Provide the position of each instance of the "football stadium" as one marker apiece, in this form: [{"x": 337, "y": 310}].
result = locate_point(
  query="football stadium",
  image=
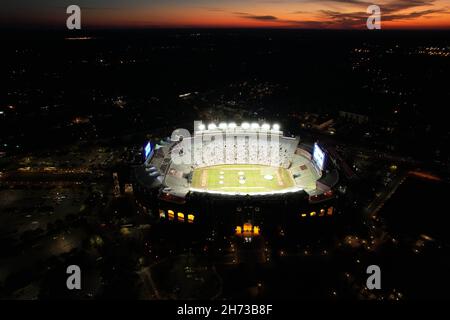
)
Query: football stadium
[{"x": 239, "y": 173}]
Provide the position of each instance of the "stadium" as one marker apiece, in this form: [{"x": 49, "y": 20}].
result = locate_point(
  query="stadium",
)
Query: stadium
[{"x": 235, "y": 174}]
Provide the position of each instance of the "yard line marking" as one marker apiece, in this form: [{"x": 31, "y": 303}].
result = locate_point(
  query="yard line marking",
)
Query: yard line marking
[
  {"x": 280, "y": 180},
  {"x": 204, "y": 178}
]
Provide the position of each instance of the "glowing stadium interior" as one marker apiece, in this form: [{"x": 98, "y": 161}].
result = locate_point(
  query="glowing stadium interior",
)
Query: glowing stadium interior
[{"x": 231, "y": 159}]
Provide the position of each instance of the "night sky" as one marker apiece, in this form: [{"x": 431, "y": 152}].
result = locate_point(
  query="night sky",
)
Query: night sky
[{"x": 341, "y": 14}]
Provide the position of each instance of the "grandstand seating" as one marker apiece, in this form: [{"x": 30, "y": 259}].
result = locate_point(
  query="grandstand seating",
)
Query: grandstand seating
[{"x": 217, "y": 148}]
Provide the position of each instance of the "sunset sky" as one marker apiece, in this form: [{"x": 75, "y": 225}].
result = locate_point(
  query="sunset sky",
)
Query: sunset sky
[{"x": 316, "y": 14}]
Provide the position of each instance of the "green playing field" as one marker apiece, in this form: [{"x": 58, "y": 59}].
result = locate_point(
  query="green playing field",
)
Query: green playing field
[{"x": 241, "y": 178}]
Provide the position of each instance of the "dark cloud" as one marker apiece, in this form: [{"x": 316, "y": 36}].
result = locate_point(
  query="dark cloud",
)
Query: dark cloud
[
  {"x": 285, "y": 22},
  {"x": 411, "y": 15},
  {"x": 356, "y": 19},
  {"x": 263, "y": 18},
  {"x": 392, "y": 10},
  {"x": 392, "y": 5},
  {"x": 399, "y": 5},
  {"x": 388, "y": 7},
  {"x": 241, "y": 13},
  {"x": 256, "y": 17}
]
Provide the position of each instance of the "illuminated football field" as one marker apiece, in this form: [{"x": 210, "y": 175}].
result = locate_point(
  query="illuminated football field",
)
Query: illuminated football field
[{"x": 241, "y": 178}]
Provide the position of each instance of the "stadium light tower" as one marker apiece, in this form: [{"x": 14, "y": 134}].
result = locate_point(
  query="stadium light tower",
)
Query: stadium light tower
[{"x": 245, "y": 125}]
